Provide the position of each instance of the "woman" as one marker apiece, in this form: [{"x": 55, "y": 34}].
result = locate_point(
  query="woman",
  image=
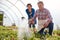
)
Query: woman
[{"x": 31, "y": 12}]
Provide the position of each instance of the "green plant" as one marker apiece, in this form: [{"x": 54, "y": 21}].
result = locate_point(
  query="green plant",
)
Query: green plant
[
  {"x": 37, "y": 36},
  {"x": 7, "y": 34}
]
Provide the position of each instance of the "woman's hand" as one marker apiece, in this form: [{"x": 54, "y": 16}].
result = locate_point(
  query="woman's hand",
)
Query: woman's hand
[{"x": 31, "y": 21}]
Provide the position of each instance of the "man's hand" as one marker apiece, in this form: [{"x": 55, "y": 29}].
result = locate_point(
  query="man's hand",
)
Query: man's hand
[{"x": 46, "y": 24}]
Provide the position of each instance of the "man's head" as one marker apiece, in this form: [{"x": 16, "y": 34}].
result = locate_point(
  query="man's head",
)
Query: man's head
[
  {"x": 29, "y": 6},
  {"x": 40, "y": 5}
]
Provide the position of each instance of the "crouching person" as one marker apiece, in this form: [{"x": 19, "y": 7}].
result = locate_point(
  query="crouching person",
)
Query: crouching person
[
  {"x": 30, "y": 12},
  {"x": 44, "y": 18}
]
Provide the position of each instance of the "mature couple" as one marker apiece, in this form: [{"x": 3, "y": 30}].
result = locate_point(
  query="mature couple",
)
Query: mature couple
[{"x": 43, "y": 15}]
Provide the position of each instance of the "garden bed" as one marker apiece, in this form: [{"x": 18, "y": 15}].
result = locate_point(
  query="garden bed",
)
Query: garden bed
[
  {"x": 7, "y": 33},
  {"x": 10, "y": 33},
  {"x": 55, "y": 36}
]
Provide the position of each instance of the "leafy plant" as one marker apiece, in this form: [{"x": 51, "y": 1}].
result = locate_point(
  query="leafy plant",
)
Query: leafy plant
[{"x": 7, "y": 34}]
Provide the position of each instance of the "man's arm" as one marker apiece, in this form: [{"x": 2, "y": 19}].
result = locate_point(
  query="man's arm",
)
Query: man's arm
[{"x": 48, "y": 18}]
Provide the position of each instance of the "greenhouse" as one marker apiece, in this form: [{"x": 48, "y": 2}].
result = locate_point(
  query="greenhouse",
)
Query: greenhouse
[{"x": 14, "y": 20}]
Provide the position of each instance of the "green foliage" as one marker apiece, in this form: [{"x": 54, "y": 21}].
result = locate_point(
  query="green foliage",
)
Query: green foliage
[
  {"x": 7, "y": 34},
  {"x": 37, "y": 36},
  {"x": 1, "y": 17},
  {"x": 57, "y": 32},
  {"x": 53, "y": 38}
]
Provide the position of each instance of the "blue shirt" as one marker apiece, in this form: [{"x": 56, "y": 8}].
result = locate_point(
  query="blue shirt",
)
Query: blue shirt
[{"x": 31, "y": 14}]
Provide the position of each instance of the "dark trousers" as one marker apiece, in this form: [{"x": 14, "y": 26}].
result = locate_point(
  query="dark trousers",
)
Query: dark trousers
[
  {"x": 50, "y": 26},
  {"x": 33, "y": 25}
]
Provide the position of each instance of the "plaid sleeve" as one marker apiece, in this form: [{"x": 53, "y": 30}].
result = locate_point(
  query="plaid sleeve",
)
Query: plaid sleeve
[{"x": 49, "y": 16}]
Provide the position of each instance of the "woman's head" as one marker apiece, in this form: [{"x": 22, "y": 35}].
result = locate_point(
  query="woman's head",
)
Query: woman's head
[{"x": 29, "y": 6}]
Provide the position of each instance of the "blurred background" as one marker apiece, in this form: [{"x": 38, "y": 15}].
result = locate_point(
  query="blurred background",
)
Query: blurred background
[{"x": 13, "y": 10}]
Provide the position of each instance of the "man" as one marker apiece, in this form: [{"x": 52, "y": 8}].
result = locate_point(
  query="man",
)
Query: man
[
  {"x": 30, "y": 12},
  {"x": 44, "y": 18}
]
